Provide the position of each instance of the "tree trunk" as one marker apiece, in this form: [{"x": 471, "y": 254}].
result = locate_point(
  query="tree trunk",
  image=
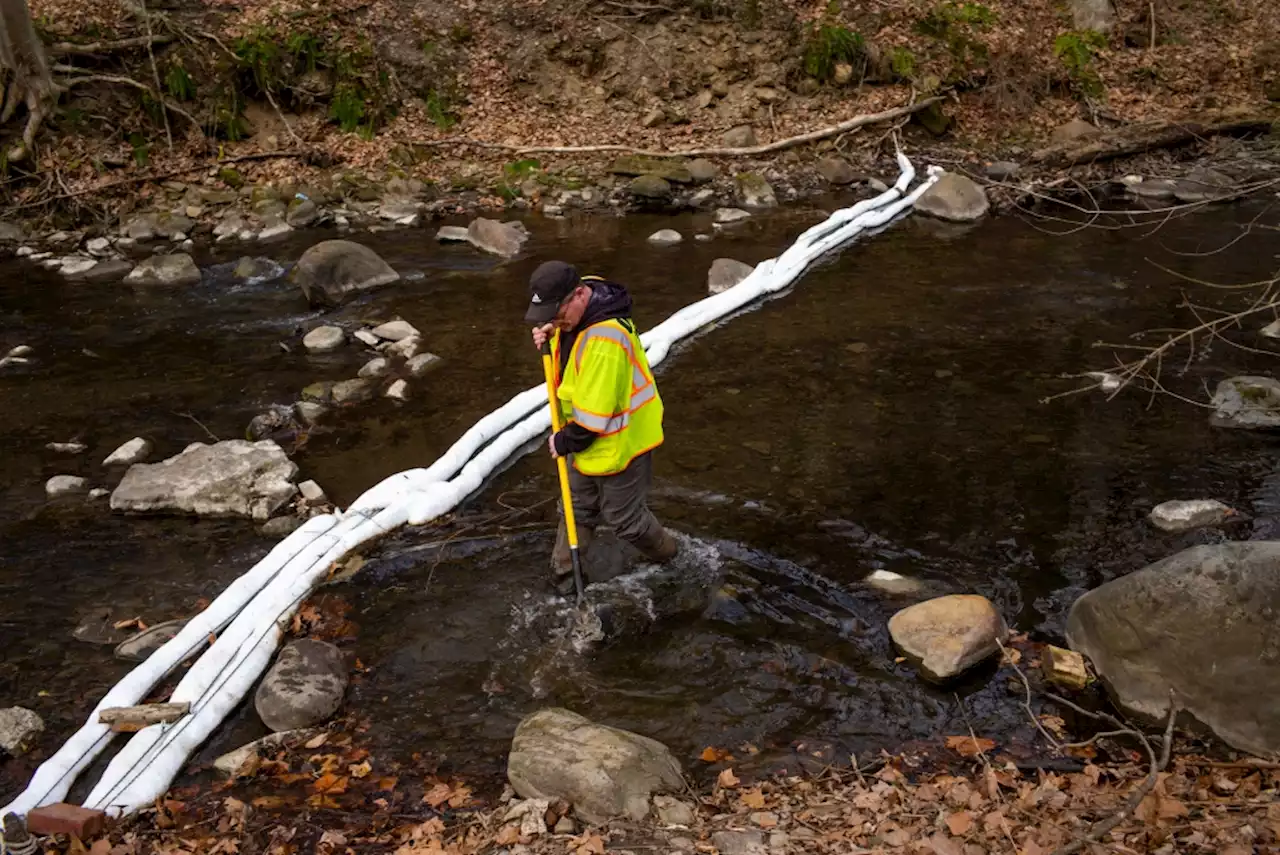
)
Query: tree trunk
[{"x": 26, "y": 69}]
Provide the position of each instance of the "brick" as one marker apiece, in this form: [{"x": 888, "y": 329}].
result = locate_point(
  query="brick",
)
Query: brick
[
  {"x": 1064, "y": 667},
  {"x": 62, "y": 818}
]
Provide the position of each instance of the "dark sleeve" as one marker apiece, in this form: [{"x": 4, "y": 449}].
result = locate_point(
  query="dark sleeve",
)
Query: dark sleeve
[{"x": 573, "y": 438}]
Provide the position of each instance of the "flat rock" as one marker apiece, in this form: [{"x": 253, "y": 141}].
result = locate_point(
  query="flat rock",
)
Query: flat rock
[
  {"x": 726, "y": 216},
  {"x": 75, "y": 267},
  {"x": 65, "y": 485},
  {"x": 401, "y": 211},
  {"x": 397, "y": 391},
  {"x": 311, "y": 491},
  {"x": 366, "y": 338},
  {"x": 140, "y": 646},
  {"x": 725, "y": 273},
  {"x": 666, "y": 237},
  {"x": 229, "y": 478},
  {"x": 1247, "y": 402},
  {"x": 503, "y": 239},
  {"x": 176, "y": 269},
  {"x": 948, "y": 635},
  {"x": 742, "y": 136},
  {"x": 604, "y": 772},
  {"x": 19, "y": 730},
  {"x": 134, "y": 451},
  {"x": 1185, "y": 515},
  {"x": 304, "y": 687},
  {"x": 954, "y": 198},
  {"x": 66, "y": 447},
  {"x": 234, "y": 761},
  {"x": 1201, "y": 623},
  {"x": 324, "y": 339},
  {"x": 739, "y": 843},
  {"x": 109, "y": 270},
  {"x": 673, "y": 811},
  {"x": 668, "y": 170},
  {"x": 1153, "y": 188},
  {"x": 753, "y": 191},
  {"x": 333, "y": 271},
  {"x": 395, "y": 330},
  {"x": 458, "y": 234},
  {"x": 1002, "y": 170}
]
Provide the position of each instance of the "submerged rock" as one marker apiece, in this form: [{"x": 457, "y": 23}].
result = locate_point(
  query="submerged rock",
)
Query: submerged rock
[
  {"x": 457, "y": 234},
  {"x": 948, "y": 635},
  {"x": 304, "y": 687},
  {"x": 229, "y": 478},
  {"x": 65, "y": 485},
  {"x": 333, "y": 271},
  {"x": 108, "y": 270},
  {"x": 352, "y": 391},
  {"x": 1247, "y": 402},
  {"x": 666, "y": 237},
  {"x": 650, "y": 187},
  {"x": 324, "y": 339},
  {"x": 140, "y": 646},
  {"x": 725, "y": 216},
  {"x": 955, "y": 198},
  {"x": 604, "y": 772},
  {"x": 1201, "y": 623},
  {"x": 395, "y": 330},
  {"x": 19, "y": 729},
  {"x": 421, "y": 364},
  {"x": 1185, "y": 515},
  {"x": 249, "y": 269},
  {"x": 176, "y": 269},
  {"x": 725, "y": 273},
  {"x": 133, "y": 451},
  {"x": 503, "y": 239}
]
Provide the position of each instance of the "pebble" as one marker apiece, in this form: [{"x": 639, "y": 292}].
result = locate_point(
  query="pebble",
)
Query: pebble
[
  {"x": 67, "y": 447},
  {"x": 324, "y": 339},
  {"x": 724, "y": 216},
  {"x": 399, "y": 390},
  {"x": 366, "y": 337},
  {"x": 375, "y": 367},
  {"x": 21, "y": 350},
  {"x": 422, "y": 363},
  {"x": 24, "y": 251},
  {"x": 275, "y": 230},
  {"x": 64, "y": 485},
  {"x": 395, "y": 330},
  {"x": 666, "y": 237},
  {"x": 99, "y": 493},
  {"x": 133, "y": 451},
  {"x": 311, "y": 491},
  {"x": 98, "y": 246}
]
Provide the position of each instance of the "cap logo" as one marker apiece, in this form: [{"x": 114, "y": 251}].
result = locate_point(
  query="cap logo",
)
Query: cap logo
[{"x": 537, "y": 299}]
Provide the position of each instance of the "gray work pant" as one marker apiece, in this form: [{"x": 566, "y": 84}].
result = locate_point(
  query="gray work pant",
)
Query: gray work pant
[{"x": 620, "y": 501}]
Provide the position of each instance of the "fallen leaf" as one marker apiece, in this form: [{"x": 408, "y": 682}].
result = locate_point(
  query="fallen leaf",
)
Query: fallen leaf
[
  {"x": 943, "y": 845},
  {"x": 588, "y": 844},
  {"x": 1053, "y": 724},
  {"x": 269, "y": 802},
  {"x": 360, "y": 770},
  {"x": 333, "y": 838},
  {"x": 460, "y": 797},
  {"x": 388, "y": 783},
  {"x": 100, "y": 847},
  {"x": 968, "y": 746},
  {"x": 713, "y": 755},
  {"x": 727, "y": 779},
  {"x": 753, "y": 799},
  {"x": 508, "y": 835},
  {"x": 316, "y": 741},
  {"x": 438, "y": 795},
  {"x": 960, "y": 823},
  {"x": 330, "y": 784}
]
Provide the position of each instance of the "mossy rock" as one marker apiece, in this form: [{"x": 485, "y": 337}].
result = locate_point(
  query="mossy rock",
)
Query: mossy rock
[
  {"x": 230, "y": 177},
  {"x": 650, "y": 187},
  {"x": 319, "y": 393},
  {"x": 668, "y": 170},
  {"x": 933, "y": 120}
]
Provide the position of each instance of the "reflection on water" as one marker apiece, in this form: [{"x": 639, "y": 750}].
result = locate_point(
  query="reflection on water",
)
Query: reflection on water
[{"x": 883, "y": 415}]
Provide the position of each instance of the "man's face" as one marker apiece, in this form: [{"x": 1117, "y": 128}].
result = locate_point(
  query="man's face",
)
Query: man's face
[{"x": 572, "y": 309}]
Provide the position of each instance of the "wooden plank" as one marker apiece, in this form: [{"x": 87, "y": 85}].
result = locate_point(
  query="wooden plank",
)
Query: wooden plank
[{"x": 133, "y": 719}]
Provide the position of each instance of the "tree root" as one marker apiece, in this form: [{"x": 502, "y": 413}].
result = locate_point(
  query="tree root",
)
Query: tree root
[
  {"x": 121, "y": 80},
  {"x": 748, "y": 151},
  {"x": 96, "y": 48}
]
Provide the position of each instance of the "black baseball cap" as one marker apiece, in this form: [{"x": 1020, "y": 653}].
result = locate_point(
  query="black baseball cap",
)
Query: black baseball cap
[{"x": 548, "y": 286}]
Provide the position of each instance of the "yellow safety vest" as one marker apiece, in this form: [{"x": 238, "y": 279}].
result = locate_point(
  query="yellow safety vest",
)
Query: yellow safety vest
[{"x": 609, "y": 389}]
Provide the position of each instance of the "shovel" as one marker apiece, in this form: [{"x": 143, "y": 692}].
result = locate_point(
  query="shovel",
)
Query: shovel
[{"x": 566, "y": 498}]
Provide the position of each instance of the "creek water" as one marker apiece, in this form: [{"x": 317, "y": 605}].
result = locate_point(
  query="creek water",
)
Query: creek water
[{"x": 885, "y": 413}]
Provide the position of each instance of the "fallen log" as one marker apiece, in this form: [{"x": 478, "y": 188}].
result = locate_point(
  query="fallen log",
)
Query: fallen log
[
  {"x": 1146, "y": 136},
  {"x": 133, "y": 719}
]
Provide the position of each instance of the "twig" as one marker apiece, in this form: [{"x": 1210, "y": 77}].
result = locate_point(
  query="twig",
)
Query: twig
[
  {"x": 1234, "y": 764},
  {"x": 123, "y": 81},
  {"x": 986, "y": 764},
  {"x": 1140, "y": 792},
  {"x": 789, "y": 142},
  {"x": 1151, "y": 10},
  {"x": 94, "y": 48},
  {"x": 198, "y": 422},
  {"x": 155, "y": 73},
  {"x": 1026, "y": 704},
  {"x": 280, "y": 115}
]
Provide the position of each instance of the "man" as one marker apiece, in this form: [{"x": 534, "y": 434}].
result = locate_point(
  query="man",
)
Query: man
[{"x": 611, "y": 410}]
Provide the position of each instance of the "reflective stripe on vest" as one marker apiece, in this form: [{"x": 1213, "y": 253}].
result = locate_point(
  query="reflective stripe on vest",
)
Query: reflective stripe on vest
[{"x": 643, "y": 389}]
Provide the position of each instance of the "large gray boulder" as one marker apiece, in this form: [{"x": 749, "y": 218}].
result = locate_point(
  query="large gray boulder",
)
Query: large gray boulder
[
  {"x": 955, "y": 198},
  {"x": 333, "y": 271},
  {"x": 304, "y": 687},
  {"x": 1201, "y": 622},
  {"x": 176, "y": 269},
  {"x": 725, "y": 273},
  {"x": 753, "y": 191},
  {"x": 1247, "y": 402},
  {"x": 137, "y": 648},
  {"x": 602, "y": 771},
  {"x": 230, "y": 478}
]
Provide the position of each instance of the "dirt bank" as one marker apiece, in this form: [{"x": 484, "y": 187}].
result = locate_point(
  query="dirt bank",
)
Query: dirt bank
[{"x": 454, "y": 95}]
